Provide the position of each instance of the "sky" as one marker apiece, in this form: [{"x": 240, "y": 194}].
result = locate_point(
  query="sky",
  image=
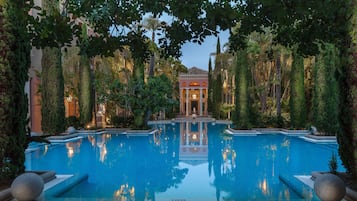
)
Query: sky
[{"x": 195, "y": 55}]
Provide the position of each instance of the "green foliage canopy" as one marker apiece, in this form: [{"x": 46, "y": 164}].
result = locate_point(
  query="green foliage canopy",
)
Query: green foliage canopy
[
  {"x": 294, "y": 22},
  {"x": 118, "y": 23}
]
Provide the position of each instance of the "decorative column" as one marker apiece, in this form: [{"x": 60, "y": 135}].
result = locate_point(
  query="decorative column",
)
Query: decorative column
[
  {"x": 187, "y": 134},
  {"x": 186, "y": 101},
  {"x": 181, "y": 100},
  {"x": 201, "y": 133},
  {"x": 200, "y": 101},
  {"x": 206, "y": 102}
]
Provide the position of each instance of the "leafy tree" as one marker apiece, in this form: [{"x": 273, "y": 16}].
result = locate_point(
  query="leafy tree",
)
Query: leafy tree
[
  {"x": 325, "y": 93},
  {"x": 111, "y": 83},
  {"x": 299, "y": 23},
  {"x": 297, "y": 97},
  {"x": 14, "y": 63},
  {"x": 117, "y": 23},
  {"x": 151, "y": 96}
]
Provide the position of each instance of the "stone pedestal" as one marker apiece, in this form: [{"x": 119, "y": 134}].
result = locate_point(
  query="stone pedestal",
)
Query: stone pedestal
[{"x": 329, "y": 187}]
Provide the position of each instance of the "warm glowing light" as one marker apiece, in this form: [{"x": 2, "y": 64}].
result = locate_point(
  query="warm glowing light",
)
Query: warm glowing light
[
  {"x": 91, "y": 139},
  {"x": 45, "y": 150},
  {"x": 124, "y": 193},
  {"x": 194, "y": 136},
  {"x": 224, "y": 155},
  {"x": 70, "y": 149},
  {"x": 69, "y": 98},
  {"x": 273, "y": 147},
  {"x": 264, "y": 186},
  {"x": 70, "y": 152},
  {"x": 194, "y": 96},
  {"x": 103, "y": 152}
]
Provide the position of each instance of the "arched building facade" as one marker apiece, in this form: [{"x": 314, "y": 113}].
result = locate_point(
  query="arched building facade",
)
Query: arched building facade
[{"x": 193, "y": 88}]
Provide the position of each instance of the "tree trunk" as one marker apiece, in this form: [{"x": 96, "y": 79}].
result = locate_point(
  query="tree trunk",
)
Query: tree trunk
[{"x": 278, "y": 86}]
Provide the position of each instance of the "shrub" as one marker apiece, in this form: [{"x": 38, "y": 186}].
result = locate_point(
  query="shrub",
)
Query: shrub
[
  {"x": 121, "y": 121},
  {"x": 333, "y": 164},
  {"x": 73, "y": 121}
]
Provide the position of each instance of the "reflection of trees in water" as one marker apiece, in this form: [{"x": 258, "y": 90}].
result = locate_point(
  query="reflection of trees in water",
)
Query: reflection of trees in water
[
  {"x": 255, "y": 174},
  {"x": 221, "y": 157},
  {"x": 155, "y": 168}
]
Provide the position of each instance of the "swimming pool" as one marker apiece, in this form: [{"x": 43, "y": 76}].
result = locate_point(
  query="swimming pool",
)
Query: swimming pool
[{"x": 183, "y": 162}]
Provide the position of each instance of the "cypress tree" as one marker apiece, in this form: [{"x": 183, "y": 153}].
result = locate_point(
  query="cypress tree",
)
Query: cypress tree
[
  {"x": 297, "y": 92},
  {"x": 52, "y": 92},
  {"x": 85, "y": 88},
  {"x": 52, "y": 83},
  {"x": 210, "y": 86},
  {"x": 217, "y": 96},
  {"x": 241, "y": 114},
  {"x": 14, "y": 62},
  {"x": 217, "y": 83},
  {"x": 325, "y": 91},
  {"x": 218, "y": 47},
  {"x": 348, "y": 87}
]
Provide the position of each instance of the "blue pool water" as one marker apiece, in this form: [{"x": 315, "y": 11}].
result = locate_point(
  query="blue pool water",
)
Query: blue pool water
[{"x": 183, "y": 162}]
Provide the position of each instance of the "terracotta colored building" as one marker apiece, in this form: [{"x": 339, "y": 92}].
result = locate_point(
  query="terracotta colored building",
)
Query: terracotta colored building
[{"x": 193, "y": 92}]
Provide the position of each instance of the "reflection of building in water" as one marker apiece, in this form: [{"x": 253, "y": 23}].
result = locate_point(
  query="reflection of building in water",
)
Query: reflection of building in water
[
  {"x": 101, "y": 142},
  {"x": 228, "y": 155},
  {"x": 125, "y": 193},
  {"x": 193, "y": 142},
  {"x": 73, "y": 148}
]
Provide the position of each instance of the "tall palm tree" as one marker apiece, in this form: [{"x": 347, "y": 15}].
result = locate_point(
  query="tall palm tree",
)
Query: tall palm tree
[{"x": 152, "y": 24}]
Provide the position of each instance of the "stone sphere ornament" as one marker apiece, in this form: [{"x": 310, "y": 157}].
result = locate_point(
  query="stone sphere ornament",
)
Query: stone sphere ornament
[
  {"x": 71, "y": 130},
  {"x": 329, "y": 187},
  {"x": 27, "y": 187}
]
